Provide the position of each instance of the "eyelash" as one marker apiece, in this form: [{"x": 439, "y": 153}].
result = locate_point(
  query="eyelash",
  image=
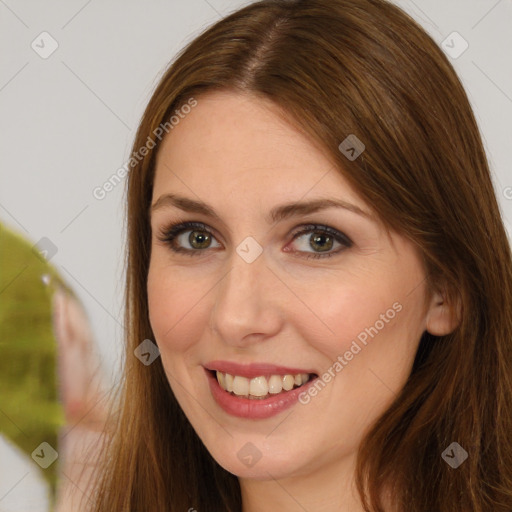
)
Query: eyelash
[{"x": 171, "y": 232}]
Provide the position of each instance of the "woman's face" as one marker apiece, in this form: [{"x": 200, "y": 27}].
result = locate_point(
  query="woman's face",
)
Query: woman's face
[{"x": 271, "y": 288}]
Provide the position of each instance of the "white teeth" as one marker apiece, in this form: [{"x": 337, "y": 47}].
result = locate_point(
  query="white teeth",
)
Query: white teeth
[
  {"x": 240, "y": 386},
  {"x": 228, "y": 382},
  {"x": 260, "y": 387},
  {"x": 288, "y": 382},
  {"x": 275, "y": 384}
]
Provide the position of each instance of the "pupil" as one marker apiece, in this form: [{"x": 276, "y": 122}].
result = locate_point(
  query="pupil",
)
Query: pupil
[
  {"x": 199, "y": 240},
  {"x": 320, "y": 240}
]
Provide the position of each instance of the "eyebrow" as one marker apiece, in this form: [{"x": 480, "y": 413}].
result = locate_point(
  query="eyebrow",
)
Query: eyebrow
[{"x": 277, "y": 213}]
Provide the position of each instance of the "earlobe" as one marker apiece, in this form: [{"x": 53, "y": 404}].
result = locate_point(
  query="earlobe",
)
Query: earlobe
[{"x": 444, "y": 315}]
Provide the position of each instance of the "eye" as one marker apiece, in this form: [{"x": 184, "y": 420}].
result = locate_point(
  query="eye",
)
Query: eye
[
  {"x": 194, "y": 234},
  {"x": 198, "y": 237},
  {"x": 322, "y": 239}
]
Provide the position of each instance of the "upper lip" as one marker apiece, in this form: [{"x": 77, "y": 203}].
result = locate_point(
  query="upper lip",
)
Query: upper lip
[{"x": 252, "y": 370}]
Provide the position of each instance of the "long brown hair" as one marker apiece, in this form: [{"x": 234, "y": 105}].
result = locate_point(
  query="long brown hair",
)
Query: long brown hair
[{"x": 340, "y": 67}]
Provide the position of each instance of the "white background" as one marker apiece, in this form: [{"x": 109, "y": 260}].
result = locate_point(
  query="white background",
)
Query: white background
[{"x": 67, "y": 122}]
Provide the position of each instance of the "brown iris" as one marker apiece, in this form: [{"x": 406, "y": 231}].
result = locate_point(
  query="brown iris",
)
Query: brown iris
[
  {"x": 321, "y": 242},
  {"x": 199, "y": 239}
]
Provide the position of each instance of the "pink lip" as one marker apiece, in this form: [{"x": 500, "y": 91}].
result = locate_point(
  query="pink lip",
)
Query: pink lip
[
  {"x": 254, "y": 409},
  {"x": 253, "y": 370}
]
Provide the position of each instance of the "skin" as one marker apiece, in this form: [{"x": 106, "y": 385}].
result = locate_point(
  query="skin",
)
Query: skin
[{"x": 236, "y": 153}]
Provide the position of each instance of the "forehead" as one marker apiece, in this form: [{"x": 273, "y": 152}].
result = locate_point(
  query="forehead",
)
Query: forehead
[{"x": 240, "y": 143}]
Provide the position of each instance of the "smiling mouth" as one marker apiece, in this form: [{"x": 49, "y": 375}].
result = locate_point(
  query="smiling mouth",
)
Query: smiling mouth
[{"x": 262, "y": 387}]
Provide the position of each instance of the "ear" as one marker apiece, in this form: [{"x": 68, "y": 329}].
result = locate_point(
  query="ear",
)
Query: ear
[{"x": 444, "y": 313}]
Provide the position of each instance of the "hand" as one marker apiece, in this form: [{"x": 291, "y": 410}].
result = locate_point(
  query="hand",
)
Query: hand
[
  {"x": 85, "y": 401},
  {"x": 80, "y": 379}
]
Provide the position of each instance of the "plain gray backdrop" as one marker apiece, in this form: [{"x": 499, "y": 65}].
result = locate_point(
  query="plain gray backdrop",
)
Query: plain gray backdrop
[{"x": 68, "y": 119}]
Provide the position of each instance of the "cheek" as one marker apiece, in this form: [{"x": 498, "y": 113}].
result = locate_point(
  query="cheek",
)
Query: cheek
[
  {"x": 175, "y": 308},
  {"x": 339, "y": 315},
  {"x": 351, "y": 318}
]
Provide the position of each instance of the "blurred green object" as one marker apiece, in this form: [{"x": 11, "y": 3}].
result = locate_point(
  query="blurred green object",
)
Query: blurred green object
[{"x": 30, "y": 411}]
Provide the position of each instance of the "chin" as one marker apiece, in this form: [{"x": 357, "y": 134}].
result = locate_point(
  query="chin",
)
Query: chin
[{"x": 258, "y": 457}]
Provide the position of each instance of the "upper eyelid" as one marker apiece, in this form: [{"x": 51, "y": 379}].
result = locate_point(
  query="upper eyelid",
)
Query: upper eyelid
[{"x": 183, "y": 227}]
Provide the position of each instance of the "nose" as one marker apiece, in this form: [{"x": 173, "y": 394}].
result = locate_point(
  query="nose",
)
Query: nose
[{"x": 248, "y": 303}]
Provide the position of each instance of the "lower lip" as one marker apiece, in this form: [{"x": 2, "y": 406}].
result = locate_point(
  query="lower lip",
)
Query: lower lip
[{"x": 257, "y": 408}]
